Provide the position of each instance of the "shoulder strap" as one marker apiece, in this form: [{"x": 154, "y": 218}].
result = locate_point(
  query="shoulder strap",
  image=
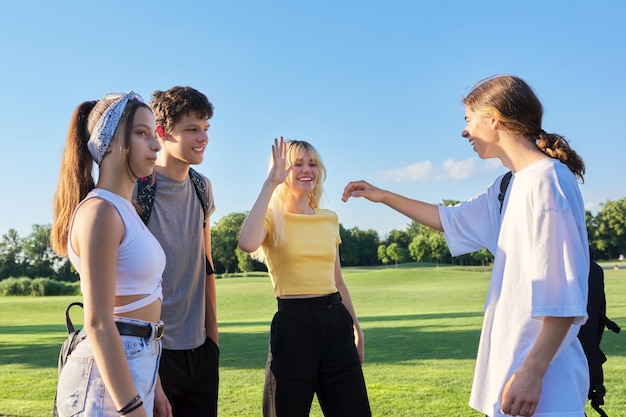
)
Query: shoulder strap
[
  {"x": 611, "y": 325},
  {"x": 590, "y": 336},
  {"x": 68, "y": 321},
  {"x": 200, "y": 187},
  {"x": 504, "y": 184},
  {"x": 146, "y": 190},
  {"x": 201, "y": 191},
  {"x": 73, "y": 339}
]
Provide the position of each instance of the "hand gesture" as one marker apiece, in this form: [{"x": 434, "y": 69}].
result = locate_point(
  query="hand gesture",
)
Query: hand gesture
[
  {"x": 280, "y": 170},
  {"x": 362, "y": 189}
]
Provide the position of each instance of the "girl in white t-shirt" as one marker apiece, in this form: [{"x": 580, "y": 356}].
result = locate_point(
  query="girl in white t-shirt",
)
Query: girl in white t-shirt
[{"x": 530, "y": 362}]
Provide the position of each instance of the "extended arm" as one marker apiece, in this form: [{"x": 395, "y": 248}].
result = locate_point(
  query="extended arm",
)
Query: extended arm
[{"x": 423, "y": 213}]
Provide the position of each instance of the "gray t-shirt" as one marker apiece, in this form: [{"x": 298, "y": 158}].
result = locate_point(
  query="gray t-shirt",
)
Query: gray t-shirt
[{"x": 176, "y": 221}]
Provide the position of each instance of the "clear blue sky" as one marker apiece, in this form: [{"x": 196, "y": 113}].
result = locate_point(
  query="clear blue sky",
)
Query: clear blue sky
[{"x": 375, "y": 86}]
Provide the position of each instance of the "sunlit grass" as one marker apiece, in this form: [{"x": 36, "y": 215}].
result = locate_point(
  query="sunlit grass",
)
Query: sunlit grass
[{"x": 421, "y": 333}]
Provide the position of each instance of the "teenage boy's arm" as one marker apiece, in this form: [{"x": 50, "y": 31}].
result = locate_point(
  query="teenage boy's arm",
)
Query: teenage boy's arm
[{"x": 210, "y": 318}]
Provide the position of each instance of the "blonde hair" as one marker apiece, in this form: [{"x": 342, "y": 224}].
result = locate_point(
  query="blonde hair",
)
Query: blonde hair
[{"x": 279, "y": 201}]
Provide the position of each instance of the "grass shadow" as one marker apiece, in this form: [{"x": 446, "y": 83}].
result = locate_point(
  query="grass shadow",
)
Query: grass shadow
[
  {"x": 41, "y": 352},
  {"x": 435, "y": 336}
]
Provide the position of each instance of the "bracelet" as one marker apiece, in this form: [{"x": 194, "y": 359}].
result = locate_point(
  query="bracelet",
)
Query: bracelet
[
  {"x": 127, "y": 407},
  {"x": 139, "y": 404}
]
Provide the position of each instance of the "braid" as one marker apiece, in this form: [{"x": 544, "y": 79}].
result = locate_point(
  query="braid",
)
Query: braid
[{"x": 556, "y": 146}]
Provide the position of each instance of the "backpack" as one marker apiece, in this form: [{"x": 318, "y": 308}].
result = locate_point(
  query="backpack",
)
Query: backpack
[
  {"x": 146, "y": 192},
  {"x": 73, "y": 339},
  {"x": 590, "y": 334}
]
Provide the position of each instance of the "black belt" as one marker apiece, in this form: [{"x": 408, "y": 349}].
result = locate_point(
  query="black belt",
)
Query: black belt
[
  {"x": 325, "y": 301},
  {"x": 145, "y": 331}
]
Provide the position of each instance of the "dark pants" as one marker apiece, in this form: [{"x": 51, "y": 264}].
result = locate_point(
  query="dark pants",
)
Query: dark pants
[
  {"x": 312, "y": 351},
  {"x": 190, "y": 379}
]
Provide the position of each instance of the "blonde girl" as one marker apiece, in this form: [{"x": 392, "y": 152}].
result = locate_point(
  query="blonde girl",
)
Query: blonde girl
[{"x": 316, "y": 343}]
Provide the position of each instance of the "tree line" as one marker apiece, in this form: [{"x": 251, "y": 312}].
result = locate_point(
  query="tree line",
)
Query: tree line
[{"x": 32, "y": 256}]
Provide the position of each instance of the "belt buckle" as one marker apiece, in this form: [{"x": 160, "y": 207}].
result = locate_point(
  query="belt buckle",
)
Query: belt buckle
[{"x": 159, "y": 329}]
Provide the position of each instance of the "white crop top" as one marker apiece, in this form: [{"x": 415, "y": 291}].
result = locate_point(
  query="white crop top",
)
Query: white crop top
[{"x": 140, "y": 258}]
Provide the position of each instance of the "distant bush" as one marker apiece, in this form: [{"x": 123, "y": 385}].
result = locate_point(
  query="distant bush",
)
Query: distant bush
[
  {"x": 38, "y": 287},
  {"x": 46, "y": 286},
  {"x": 15, "y": 286}
]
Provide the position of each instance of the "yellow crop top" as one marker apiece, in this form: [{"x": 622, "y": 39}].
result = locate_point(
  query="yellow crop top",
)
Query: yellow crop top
[{"x": 305, "y": 264}]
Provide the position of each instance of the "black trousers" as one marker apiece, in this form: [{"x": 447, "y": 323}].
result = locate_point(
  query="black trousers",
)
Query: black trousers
[
  {"x": 190, "y": 379},
  {"x": 312, "y": 351}
]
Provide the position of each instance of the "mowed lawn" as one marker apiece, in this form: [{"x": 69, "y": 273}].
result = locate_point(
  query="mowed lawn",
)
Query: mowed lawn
[{"x": 421, "y": 329}]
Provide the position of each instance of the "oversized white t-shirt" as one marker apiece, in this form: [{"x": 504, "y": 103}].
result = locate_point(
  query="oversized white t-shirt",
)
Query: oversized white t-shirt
[{"x": 541, "y": 266}]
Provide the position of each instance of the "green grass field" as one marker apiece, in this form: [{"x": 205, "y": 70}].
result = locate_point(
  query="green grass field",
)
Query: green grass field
[{"x": 421, "y": 327}]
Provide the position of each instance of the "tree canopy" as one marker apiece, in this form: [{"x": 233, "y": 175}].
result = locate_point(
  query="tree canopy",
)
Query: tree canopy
[{"x": 32, "y": 256}]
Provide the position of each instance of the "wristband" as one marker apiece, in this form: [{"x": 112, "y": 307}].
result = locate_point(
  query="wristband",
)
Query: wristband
[
  {"x": 136, "y": 406},
  {"x": 127, "y": 408}
]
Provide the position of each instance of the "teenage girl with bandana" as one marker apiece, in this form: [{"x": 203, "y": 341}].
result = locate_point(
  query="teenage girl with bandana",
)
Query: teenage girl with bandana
[{"x": 113, "y": 370}]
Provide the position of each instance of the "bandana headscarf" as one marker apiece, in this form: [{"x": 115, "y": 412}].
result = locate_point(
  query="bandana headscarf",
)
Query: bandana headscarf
[{"x": 105, "y": 127}]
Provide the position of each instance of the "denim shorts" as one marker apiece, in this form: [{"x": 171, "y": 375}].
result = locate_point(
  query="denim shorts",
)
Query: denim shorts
[{"x": 81, "y": 390}]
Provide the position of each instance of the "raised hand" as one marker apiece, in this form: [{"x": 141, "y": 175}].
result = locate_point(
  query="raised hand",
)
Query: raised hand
[{"x": 280, "y": 170}]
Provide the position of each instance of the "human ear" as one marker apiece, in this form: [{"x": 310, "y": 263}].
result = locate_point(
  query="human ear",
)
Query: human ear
[
  {"x": 495, "y": 123},
  {"x": 160, "y": 131}
]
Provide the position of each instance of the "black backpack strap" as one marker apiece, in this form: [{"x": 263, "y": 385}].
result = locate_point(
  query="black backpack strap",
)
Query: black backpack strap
[
  {"x": 201, "y": 191},
  {"x": 597, "y": 406},
  {"x": 610, "y": 324},
  {"x": 200, "y": 187},
  {"x": 590, "y": 335},
  {"x": 68, "y": 346},
  {"x": 73, "y": 339},
  {"x": 146, "y": 190},
  {"x": 504, "y": 184},
  {"x": 68, "y": 321}
]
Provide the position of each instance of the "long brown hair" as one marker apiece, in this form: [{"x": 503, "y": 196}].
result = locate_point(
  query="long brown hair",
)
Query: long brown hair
[
  {"x": 76, "y": 172},
  {"x": 519, "y": 110}
]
